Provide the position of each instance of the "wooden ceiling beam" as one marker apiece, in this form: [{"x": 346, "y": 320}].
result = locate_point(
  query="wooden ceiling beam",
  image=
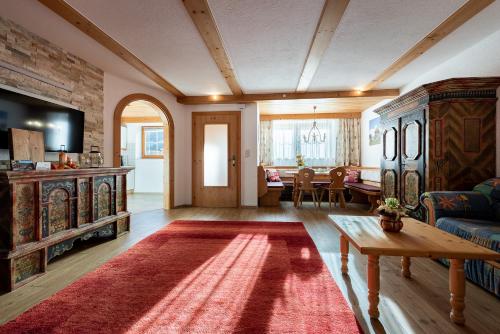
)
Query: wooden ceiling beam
[
  {"x": 333, "y": 11},
  {"x": 71, "y": 15},
  {"x": 457, "y": 19},
  {"x": 272, "y": 117},
  {"x": 205, "y": 23},
  {"x": 246, "y": 98}
]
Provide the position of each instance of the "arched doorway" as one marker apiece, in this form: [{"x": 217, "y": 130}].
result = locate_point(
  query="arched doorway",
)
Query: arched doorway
[{"x": 169, "y": 165}]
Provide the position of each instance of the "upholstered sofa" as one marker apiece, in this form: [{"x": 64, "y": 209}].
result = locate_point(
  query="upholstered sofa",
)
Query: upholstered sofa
[{"x": 475, "y": 216}]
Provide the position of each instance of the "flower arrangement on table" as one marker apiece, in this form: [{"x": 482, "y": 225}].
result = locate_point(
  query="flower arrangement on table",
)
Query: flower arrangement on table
[
  {"x": 300, "y": 160},
  {"x": 390, "y": 212}
]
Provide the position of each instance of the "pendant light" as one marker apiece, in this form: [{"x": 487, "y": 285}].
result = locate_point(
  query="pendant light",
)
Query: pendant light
[{"x": 314, "y": 136}]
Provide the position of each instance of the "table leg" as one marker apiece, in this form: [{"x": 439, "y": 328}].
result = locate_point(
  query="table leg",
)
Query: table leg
[
  {"x": 373, "y": 285},
  {"x": 457, "y": 290},
  {"x": 344, "y": 253},
  {"x": 405, "y": 266}
]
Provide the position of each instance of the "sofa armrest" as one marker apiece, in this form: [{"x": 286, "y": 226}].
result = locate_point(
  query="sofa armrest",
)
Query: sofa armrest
[{"x": 459, "y": 204}]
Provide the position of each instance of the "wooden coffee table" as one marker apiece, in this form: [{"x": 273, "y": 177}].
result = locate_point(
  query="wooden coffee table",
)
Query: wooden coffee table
[{"x": 416, "y": 239}]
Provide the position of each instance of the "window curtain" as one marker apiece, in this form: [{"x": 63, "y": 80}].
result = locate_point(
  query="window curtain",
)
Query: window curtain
[
  {"x": 349, "y": 142},
  {"x": 265, "y": 143},
  {"x": 282, "y": 140}
]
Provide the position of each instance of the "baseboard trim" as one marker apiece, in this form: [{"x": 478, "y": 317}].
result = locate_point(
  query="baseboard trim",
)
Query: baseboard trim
[
  {"x": 249, "y": 206},
  {"x": 183, "y": 206}
]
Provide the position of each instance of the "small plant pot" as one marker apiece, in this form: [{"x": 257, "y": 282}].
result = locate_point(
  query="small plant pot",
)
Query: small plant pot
[{"x": 390, "y": 224}]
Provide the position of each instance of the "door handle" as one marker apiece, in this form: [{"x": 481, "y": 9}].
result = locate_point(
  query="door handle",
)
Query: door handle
[{"x": 234, "y": 160}]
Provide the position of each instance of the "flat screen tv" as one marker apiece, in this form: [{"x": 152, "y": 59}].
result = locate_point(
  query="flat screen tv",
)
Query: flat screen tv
[{"x": 61, "y": 125}]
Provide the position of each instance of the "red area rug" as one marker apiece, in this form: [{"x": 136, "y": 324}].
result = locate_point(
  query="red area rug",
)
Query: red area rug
[{"x": 202, "y": 277}]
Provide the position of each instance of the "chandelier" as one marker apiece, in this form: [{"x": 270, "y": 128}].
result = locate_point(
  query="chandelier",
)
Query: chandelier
[{"x": 314, "y": 136}]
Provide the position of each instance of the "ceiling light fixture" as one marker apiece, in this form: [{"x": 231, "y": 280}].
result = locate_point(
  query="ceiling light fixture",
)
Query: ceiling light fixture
[{"x": 314, "y": 136}]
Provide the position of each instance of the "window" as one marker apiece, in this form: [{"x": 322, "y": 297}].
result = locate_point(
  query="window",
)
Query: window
[
  {"x": 152, "y": 142},
  {"x": 287, "y": 141}
]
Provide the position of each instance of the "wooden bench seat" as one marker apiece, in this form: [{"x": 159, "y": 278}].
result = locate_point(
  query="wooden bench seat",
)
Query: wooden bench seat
[
  {"x": 269, "y": 192},
  {"x": 361, "y": 191}
]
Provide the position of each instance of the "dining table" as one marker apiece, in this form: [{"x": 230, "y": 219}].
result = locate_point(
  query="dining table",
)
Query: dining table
[{"x": 321, "y": 178}]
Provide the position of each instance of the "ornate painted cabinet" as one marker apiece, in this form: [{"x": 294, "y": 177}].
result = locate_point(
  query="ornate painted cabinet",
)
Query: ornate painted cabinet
[
  {"x": 42, "y": 213},
  {"x": 440, "y": 136}
]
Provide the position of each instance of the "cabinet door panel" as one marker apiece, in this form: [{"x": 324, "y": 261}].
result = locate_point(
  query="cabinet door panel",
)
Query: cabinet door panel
[
  {"x": 412, "y": 160},
  {"x": 390, "y": 163}
]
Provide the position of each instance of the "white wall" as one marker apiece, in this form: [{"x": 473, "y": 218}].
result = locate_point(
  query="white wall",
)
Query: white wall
[
  {"x": 249, "y": 116},
  {"x": 115, "y": 89},
  {"x": 370, "y": 155},
  {"x": 148, "y": 173},
  {"x": 480, "y": 60}
]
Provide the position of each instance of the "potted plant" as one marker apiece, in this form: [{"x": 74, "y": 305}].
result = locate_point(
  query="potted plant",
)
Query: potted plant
[{"x": 390, "y": 213}]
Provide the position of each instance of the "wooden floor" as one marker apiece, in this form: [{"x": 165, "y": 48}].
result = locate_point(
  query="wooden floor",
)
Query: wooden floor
[{"x": 419, "y": 305}]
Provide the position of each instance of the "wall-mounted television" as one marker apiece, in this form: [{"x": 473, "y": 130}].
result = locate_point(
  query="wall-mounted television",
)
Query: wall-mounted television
[{"x": 60, "y": 124}]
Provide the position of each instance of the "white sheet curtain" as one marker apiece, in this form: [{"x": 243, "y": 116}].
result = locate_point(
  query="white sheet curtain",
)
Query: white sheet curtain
[
  {"x": 349, "y": 142},
  {"x": 265, "y": 140},
  {"x": 282, "y": 140}
]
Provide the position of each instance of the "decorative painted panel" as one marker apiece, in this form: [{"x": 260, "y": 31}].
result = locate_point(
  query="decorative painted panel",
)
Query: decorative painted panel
[
  {"x": 103, "y": 201},
  {"x": 389, "y": 179},
  {"x": 83, "y": 201},
  {"x": 120, "y": 193},
  {"x": 438, "y": 138},
  {"x": 24, "y": 213},
  {"x": 27, "y": 266},
  {"x": 411, "y": 194},
  {"x": 104, "y": 196},
  {"x": 411, "y": 140},
  {"x": 122, "y": 226},
  {"x": 472, "y": 135},
  {"x": 66, "y": 245},
  {"x": 58, "y": 211},
  {"x": 48, "y": 186},
  {"x": 390, "y": 149}
]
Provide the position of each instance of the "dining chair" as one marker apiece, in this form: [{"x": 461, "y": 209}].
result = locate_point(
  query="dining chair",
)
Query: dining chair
[
  {"x": 336, "y": 187},
  {"x": 305, "y": 185}
]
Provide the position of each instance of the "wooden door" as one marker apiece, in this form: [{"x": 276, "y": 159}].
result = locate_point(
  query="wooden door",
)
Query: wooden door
[
  {"x": 216, "y": 159},
  {"x": 390, "y": 158},
  {"x": 412, "y": 159}
]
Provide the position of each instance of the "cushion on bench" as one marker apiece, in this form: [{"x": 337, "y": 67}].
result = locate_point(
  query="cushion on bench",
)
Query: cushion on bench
[
  {"x": 362, "y": 186},
  {"x": 275, "y": 184}
]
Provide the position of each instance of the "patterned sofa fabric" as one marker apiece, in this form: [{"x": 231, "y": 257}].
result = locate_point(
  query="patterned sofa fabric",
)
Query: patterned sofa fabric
[
  {"x": 463, "y": 204},
  {"x": 491, "y": 189},
  {"x": 482, "y": 232}
]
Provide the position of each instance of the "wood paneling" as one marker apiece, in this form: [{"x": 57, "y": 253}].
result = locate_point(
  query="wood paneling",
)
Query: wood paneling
[
  {"x": 462, "y": 15},
  {"x": 71, "y": 15},
  {"x": 117, "y": 121},
  {"x": 246, "y": 98},
  {"x": 203, "y": 19},
  {"x": 333, "y": 11},
  {"x": 146, "y": 119},
  {"x": 309, "y": 116}
]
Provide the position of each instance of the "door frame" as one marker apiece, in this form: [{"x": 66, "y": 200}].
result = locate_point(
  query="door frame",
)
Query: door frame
[
  {"x": 238, "y": 149},
  {"x": 117, "y": 121}
]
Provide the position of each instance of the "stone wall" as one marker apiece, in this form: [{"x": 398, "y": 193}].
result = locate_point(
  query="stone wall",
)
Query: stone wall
[{"x": 58, "y": 75}]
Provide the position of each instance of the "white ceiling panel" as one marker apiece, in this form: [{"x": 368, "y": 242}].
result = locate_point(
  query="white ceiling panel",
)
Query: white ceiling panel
[
  {"x": 162, "y": 35},
  {"x": 484, "y": 24},
  {"x": 267, "y": 40},
  {"x": 372, "y": 35}
]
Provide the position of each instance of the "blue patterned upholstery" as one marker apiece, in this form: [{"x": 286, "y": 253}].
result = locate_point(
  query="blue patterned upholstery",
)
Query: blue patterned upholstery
[{"x": 474, "y": 216}]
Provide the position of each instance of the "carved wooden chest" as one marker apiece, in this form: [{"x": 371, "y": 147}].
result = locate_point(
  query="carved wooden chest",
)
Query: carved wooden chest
[
  {"x": 440, "y": 136},
  {"x": 42, "y": 213}
]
